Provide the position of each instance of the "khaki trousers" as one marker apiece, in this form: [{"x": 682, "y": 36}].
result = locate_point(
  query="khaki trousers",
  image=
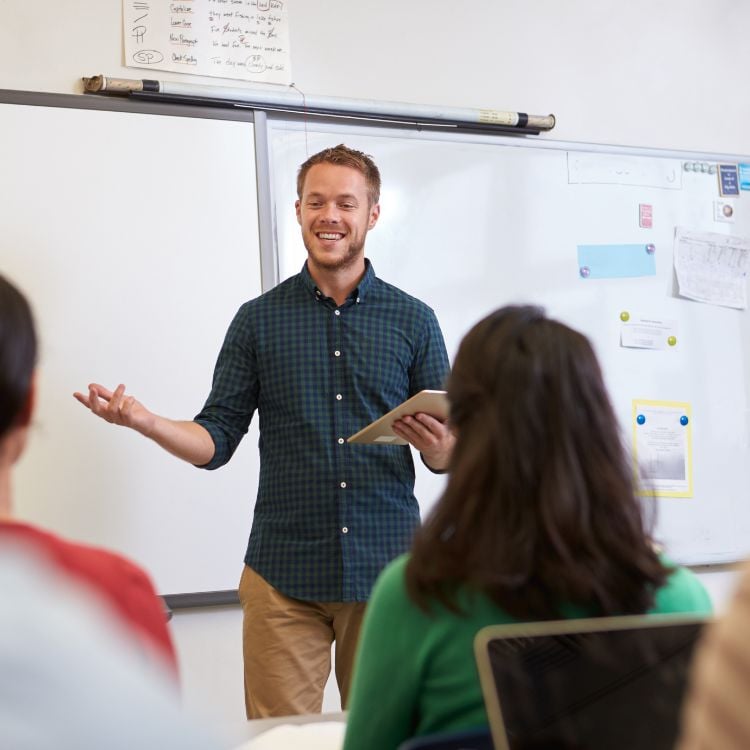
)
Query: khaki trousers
[{"x": 286, "y": 644}]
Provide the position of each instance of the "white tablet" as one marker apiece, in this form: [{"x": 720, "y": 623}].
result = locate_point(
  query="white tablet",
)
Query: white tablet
[{"x": 434, "y": 403}]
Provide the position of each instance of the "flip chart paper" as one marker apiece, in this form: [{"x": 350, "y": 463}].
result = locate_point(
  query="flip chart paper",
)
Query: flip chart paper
[{"x": 243, "y": 39}]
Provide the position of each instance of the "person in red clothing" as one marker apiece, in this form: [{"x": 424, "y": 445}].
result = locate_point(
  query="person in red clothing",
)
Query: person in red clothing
[{"x": 124, "y": 587}]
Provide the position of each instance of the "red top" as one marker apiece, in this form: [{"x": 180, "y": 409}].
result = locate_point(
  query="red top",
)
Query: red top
[{"x": 125, "y": 587}]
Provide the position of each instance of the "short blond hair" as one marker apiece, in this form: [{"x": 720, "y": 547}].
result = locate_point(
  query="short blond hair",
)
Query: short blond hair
[{"x": 346, "y": 157}]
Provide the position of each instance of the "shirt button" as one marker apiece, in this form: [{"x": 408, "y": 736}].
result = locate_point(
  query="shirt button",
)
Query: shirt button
[
  {"x": 345, "y": 530},
  {"x": 341, "y": 441},
  {"x": 338, "y": 397},
  {"x": 343, "y": 485},
  {"x": 337, "y": 312},
  {"x": 337, "y": 353}
]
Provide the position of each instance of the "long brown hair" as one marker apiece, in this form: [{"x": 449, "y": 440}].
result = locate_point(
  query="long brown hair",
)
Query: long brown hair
[{"x": 540, "y": 508}]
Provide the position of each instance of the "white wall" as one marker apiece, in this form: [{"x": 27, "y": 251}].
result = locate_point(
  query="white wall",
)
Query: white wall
[{"x": 658, "y": 73}]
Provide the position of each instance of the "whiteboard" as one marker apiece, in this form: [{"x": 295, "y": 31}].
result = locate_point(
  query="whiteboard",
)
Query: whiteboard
[
  {"x": 498, "y": 221},
  {"x": 136, "y": 239}
]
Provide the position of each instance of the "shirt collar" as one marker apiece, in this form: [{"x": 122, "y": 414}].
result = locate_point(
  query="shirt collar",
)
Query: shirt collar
[{"x": 360, "y": 291}]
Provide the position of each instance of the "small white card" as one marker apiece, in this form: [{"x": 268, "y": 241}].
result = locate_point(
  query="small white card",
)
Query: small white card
[
  {"x": 647, "y": 333},
  {"x": 724, "y": 211}
]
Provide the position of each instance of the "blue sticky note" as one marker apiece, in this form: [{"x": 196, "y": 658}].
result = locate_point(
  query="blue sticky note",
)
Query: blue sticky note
[
  {"x": 744, "y": 176},
  {"x": 615, "y": 261}
]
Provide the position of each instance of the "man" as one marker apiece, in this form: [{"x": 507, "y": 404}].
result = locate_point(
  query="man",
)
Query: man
[{"x": 319, "y": 356}]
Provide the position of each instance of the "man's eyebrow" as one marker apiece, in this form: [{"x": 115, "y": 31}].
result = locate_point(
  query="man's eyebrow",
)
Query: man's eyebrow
[{"x": 341, "y": 196}]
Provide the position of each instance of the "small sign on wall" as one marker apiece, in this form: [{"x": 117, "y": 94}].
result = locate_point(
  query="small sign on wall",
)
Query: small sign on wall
[
  {"x": 645, "y": 216},
  {"x": 729, "y": 183}
]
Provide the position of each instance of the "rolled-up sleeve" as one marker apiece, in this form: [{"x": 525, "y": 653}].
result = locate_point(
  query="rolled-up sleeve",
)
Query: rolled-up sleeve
[{"x": 233, "y": 400}]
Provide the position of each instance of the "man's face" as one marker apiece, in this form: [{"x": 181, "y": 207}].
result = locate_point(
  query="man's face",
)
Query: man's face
[{"x": 335, "y": 215}]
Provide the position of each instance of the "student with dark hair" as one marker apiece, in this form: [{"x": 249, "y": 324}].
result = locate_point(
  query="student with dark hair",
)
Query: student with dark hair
[
  {"x": 539, "y": 520},
  {"x": 123, "y": 587}
]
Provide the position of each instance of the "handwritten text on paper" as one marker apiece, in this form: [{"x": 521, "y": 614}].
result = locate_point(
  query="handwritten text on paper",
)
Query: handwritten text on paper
[{"x": 243, "y": 39}]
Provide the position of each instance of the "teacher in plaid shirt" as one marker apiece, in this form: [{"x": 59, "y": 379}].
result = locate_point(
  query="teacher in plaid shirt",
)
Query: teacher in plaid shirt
[{"x": 319, "y": 356}]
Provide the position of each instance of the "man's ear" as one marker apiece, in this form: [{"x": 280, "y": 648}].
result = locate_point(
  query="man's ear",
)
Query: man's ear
[
  {"x": 27, "y": 410},
  {"x": 297, "y": 211},
  {"x": 374, "y": 215}
]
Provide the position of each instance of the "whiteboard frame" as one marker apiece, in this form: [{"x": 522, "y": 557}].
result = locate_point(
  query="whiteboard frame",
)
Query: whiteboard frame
[{"x": 264, "y": 120}]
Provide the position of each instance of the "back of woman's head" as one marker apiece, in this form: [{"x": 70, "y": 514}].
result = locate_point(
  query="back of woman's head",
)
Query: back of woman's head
[
  {"x": 18, "y": 350},
  {"x": 540, "y": 509}
]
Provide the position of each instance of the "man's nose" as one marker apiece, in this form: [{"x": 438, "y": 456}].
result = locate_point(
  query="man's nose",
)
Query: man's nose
[{"x": 330, "y": 212}]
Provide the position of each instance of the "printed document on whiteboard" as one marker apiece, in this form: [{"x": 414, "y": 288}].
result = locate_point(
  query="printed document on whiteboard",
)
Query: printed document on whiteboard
[
  {"x": 712, "y": 267},
  {"x": 663, "y": 447}
]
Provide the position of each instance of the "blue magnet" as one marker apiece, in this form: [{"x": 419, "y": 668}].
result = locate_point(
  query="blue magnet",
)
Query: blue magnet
[
  {"x": 585, "y": 271},
  {"x": 650, "y": 249},
  {"x": 683, "y": 420},
  {"x": 640, "y": 419}
]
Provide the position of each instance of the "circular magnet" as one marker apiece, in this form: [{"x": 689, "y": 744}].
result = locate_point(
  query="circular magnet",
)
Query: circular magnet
[
  {"x": 672, "y": 340},
  {"x": 650, "y": 248},
  {"x": 624, "y": 316},
  {"x": 712, "y": 169},
  {"x": 585, "y": 272},
  {"x": 683, "y": 420},
  {"x": 688, "y": 166},
  {"x": 704, "y": 166},
  {"x": 640, "y": 419}
]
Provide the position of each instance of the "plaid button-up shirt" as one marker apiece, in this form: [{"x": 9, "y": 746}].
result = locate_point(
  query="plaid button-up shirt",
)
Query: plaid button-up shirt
[{"x": 329, "y": 515}]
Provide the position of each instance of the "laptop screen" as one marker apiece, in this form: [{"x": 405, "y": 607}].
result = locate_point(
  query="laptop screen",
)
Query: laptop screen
[{"x": 614, "y": 683}]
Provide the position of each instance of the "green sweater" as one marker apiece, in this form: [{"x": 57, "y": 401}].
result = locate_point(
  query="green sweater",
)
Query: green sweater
[{"x": 415, "y": 673}]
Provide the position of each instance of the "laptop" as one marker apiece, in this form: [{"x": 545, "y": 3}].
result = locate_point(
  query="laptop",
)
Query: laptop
[{"x": 614, "y": 683}]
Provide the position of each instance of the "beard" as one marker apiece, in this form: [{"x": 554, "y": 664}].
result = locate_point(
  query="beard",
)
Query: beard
[{"x": 335, "y": 262}]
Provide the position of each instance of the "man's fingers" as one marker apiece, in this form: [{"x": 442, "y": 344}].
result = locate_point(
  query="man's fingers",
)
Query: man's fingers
[
  {"x": 103, "y": 402},
  {"x": 126, "y": 408},
  {"x": 101, "y": 391},
  {"x": 409, "y": 429},
  {"x": 94, "y": 403},
  {"x": 113, "y": 410},
  {"x": 83, "y": 399}
]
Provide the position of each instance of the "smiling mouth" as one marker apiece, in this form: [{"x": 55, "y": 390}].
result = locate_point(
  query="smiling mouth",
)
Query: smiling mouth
[{"x": 329, "y": 235}]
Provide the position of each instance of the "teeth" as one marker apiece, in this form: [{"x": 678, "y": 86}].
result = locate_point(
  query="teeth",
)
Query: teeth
[{"x": 329, "y": 236}]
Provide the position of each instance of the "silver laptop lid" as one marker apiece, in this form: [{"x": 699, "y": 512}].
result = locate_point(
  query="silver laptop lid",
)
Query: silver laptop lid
[{"x": 611, "y": 682}]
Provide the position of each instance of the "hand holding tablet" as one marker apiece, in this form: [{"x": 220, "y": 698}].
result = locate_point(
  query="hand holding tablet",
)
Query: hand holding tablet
[{"x": 434, "y": 403}]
